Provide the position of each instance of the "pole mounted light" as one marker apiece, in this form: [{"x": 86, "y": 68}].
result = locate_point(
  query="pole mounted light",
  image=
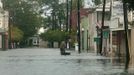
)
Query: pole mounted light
[{"x": 9, "y": 32}]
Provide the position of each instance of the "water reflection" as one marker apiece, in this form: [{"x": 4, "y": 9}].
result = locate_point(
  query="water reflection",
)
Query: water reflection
[
  {"x": 101, "y": 66},
  {"x": 71, "y": 66},
  {"x": 79, "y": 60}
]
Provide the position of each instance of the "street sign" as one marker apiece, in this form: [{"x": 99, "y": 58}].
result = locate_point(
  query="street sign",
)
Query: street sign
[
  {"x": 105, "y": 34},
  {"x": 97, "y": 40}
]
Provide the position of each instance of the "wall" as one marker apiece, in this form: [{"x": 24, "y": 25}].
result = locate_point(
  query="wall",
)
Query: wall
[
  {"x": 92, "y": 30},
  {"x": 132, "y": 49},
  {"x": 85, "y": 27},
  {"x": 4, "y": 17},
  {"x": 4, "y": 21},
  {"x": 0, "y": 41}
]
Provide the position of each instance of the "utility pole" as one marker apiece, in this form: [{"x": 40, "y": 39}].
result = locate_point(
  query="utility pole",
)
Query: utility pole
[
  {"x": 126, "y": 35},
  {"x": 9, "y": 32},
  {"x": 67, "y": 15},
  {"x": 70, "y": 21},
  {"x": 78, "y": 13},
  {"x": 103, "y": 18},
  {"x": 53, "y": 20},
  {"x": 70, "y": 16},
  {"x": 59, "y": 17}
]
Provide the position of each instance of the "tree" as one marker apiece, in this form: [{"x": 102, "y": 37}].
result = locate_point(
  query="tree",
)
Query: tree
[
  {"x": 54, "y": 36},
  {"x": 17, "y": 34},
  {"x": 56, "y": 13},
  {"x": 74, "y": 4},
  {"x": 97, "y": 2},
  {"x": 25, "y": 15},
  {"x": 130, "y": 4}
]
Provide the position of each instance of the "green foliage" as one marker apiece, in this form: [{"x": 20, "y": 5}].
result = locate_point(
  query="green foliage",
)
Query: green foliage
[
  {"x": 130, "y": 3},
  {"x": 24, "y": 14},
  {"x": 16, "y": 33},
  {"x": 73, "y": 37},
  {"x": 74, "y": 4},
  {"x": 54, "y": 35},
  {"x": 97, "y": 2},
  {"x": 56, "y": 16}
]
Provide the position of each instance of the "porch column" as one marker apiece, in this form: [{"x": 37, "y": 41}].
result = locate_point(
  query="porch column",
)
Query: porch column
[{"x": 132, "y": 49}]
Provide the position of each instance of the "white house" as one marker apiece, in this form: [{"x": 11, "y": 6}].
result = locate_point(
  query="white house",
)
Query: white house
[
  {"x": 113, "y": 27},
  {"x": 4, "y": 20}
]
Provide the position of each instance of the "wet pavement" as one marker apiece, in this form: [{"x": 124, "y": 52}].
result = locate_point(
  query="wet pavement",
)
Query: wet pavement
[{"x": 37, "y": 61}]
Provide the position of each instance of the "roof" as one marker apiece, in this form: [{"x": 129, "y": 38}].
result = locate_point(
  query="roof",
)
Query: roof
[
  {"x": 83, "y": 12},
  {"x": 119, "y": 29}
]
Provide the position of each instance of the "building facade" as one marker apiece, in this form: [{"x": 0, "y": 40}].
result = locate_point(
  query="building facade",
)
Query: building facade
[
  {"x": 4, "y": 19},
  {"x": 113, "y": 28}
]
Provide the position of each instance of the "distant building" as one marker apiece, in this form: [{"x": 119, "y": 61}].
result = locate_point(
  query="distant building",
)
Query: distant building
[
  {"x": 113, "y": 31},
  {"x": 33, "y": 41}
]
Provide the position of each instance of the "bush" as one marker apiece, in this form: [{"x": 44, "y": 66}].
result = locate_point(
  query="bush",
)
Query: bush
[
  {"x": 54, "y": 35},
  {"x": 16, "y": 33}
]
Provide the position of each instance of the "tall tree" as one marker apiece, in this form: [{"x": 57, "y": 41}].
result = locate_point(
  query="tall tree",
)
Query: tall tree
[
  {"x": 130, "y": 3},
  {"x": 74, "y": 4},
  {"x": 97, "y": 2},
  {"x": 23, "y": 14},
  {"x": 56, "y": 11},
  {"x": 17, "y": 34}
]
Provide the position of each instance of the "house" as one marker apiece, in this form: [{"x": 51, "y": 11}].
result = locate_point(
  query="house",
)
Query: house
[
  {"x": 113, "y": 28},
  {"x": 107, "y": 20},
  {"x": 115, "y": 44},
  {"x": 4, "y": 19},
  {"x": 86, "y": 27},
  {"x": 131, "y": 41},
  {"x": 88, "y": 30}
]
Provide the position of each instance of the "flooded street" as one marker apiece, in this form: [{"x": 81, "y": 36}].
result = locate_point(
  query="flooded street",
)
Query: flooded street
[{"x": 49, "y": 62}]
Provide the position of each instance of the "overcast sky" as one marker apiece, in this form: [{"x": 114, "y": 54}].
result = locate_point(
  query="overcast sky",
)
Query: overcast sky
[{"x": 88, "y": 3}]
